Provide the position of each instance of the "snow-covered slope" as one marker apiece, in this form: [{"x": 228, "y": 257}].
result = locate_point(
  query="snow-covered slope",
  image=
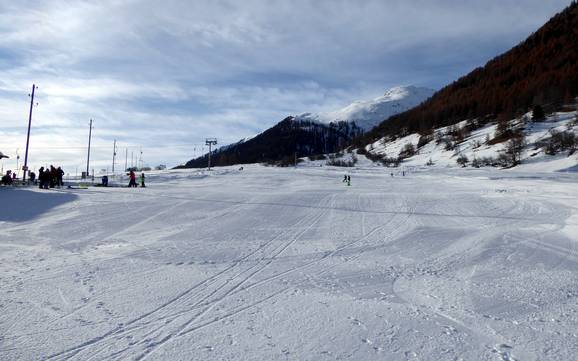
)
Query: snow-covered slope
[
  {"x": 368, "y": 113},
  {"x": 475, "y": 145},
  {"x": 291, "y": 264}
]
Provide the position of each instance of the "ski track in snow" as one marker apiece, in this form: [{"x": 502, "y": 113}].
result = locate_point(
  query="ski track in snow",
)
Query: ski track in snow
[{"x": 292, "y": 264}]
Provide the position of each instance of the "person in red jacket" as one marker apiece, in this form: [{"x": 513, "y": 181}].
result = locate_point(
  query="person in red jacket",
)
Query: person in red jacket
[{"x": 132, "y": 182}]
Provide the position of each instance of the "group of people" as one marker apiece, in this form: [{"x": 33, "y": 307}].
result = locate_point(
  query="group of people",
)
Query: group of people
[
  {"x": 8, "y": 178},
  {"x": 52, "y": 177},
  {"x": 132, "y": 180},
  {"x": 49, "y": 177}
]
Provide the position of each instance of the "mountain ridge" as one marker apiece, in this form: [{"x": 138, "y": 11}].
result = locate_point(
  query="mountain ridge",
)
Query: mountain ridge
[
  {"x": 313, "y": 133},
  {"x": 368, "y": 113}
]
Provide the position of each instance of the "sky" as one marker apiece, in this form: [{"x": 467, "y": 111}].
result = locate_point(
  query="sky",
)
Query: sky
[{"x": 161, "y": 76}]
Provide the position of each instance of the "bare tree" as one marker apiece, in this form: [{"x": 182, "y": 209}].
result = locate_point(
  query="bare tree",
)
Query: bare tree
[{"x": 515, "y": 147}]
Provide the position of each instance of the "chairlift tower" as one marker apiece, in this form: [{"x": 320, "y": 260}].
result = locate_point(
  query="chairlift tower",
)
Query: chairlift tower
[{"x": 210, "y": 142}]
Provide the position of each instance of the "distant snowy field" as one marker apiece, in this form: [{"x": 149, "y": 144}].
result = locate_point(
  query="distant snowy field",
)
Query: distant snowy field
[{"x": 292, "y": 264}]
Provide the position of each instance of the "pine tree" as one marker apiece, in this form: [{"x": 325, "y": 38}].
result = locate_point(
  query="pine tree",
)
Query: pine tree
[{"x": 538, "y": 114}]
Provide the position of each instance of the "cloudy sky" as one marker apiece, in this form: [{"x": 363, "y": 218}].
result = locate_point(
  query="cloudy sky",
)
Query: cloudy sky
[{"x": 162, "y": 76}]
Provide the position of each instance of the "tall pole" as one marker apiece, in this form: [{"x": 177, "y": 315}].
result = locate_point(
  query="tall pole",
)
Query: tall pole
[
  {"x": 210, "y": 142},
  {"x": 88, "y": 156},
  {"x": 113, "y": 155},
  {"x": 125, "y": 159},
  {"x": 209, "y": 156},
  {"x": 25, "y": 168}
]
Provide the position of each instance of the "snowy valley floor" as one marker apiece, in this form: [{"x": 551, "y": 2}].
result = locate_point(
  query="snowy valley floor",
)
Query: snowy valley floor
[{"x": 291, "y": 264}]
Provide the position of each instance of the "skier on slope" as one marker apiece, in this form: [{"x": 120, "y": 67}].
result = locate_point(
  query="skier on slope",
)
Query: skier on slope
[
  {"x": 41, "y": 177},
  {"x": 52, "y": 177},
  {"x": 132, "y": 182},
  {"x": 59, "y": 177},
  {"x": 142, "y": 180}
]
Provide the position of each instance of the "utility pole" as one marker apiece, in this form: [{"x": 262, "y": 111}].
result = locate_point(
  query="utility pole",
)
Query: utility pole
[
  {"x": 113, "y": 156},
  {"x": 210, "y": 142},
  {"x": 125, "y": 159},
  {"x": 88, "y": 156},
  {"x": 141, "y": 158},
  {"x": 17, "y": 161},
  {"x": 25, "y": 168}
]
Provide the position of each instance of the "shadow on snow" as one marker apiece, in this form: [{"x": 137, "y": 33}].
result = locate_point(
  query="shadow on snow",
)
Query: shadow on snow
[{"x": 20, "y": 205}]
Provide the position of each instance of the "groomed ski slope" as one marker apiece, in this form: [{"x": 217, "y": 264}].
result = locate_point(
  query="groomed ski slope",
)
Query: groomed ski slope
[{"x": 291, "y": 264}]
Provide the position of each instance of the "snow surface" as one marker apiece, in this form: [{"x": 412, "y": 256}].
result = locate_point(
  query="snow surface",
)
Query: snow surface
[
  {"x": 368, "y": 113},
  {"x": 292, "y": 264}
]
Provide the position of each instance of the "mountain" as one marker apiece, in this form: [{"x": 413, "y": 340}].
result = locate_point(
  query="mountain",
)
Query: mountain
[
  {"x": 366, "y": 114},
  {"x": 540, "y": 71},
  {"x": 280, "y": 143},
  {"x": 314, "y": 133}
]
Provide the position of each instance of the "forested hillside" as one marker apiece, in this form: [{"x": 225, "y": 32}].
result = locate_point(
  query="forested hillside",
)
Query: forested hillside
[
  {"x": 542, "y": 70},
  {"x": 279, "y": 144}
]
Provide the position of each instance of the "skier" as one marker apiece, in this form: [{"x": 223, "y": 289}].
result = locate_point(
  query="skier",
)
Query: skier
[
  {"x": 132, "y": 182},
  {"x": 45, "y": 180},
  {"x": 344, "y": 178},
  {"x": 52, "y": 177},
  {"x": 59, "y": 176},
  {"x": 348, "y": 180},
  {"x": 142, "y": 180},
  {"x": 40, "y": 177}
]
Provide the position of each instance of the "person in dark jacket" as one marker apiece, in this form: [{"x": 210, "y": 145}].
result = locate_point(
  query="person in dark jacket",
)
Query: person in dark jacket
[
  {"x": 59, "y": 177},
  {"x": 7, "y": 178},
  {"x": 142, "y": 180},
  {"x": 52, "y": 177},
  {"x": 40, "y": 177},
  {"x": 44, "y": 178}
]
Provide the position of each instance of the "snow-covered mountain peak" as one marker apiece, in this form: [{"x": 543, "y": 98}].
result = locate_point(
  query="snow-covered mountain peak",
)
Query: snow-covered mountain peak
[
  {"x": 401, "y": 92},
  {"x": 368, "y": 113}
]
